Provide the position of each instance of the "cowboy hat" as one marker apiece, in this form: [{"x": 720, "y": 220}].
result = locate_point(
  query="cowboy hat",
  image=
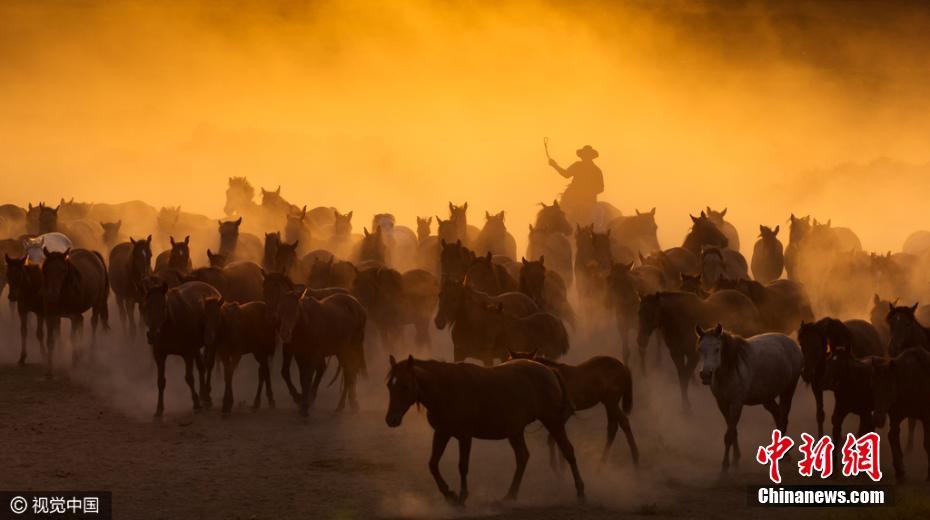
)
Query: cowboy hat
[{"x": 587, "y": 152}]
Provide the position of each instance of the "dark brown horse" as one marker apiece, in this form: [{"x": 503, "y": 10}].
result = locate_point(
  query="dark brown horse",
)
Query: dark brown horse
[
  {"x": 768, "y": 257},
  {"x": 454, "y": 259},
  {"x": 238, "y": 282},
  {"x": 239, "y": 246},
  {"x": 458, "y": 218},
  {"x": 901, "y": 389},
  {"x": 906, "y": 331},
  {"x": 541, "y": 331},
  {"x": 331, "y": 273},
  {"x": 176, "y": 322},
  {"x": 486, "y": 275},
  {"x": 557, "y": 247},
  {"x": 394, "y": 300},
  {"x": 467, "y": 401},
  {"x": 372, "y": 248},
  {"x": 48, "y": 219},
  {"x": 546, "y": 288},
  {"x": 313, "y": 330},
  {"x": 74, "y": 282},
  {"x": 850, "y": 380},
  {"x": 703, "y": 233},
  {"x": 272, "y": 242},
  {"x": 177, "y": 259},
  {"x": 601, "y": 380},
  {"x": 130, "y": 262},
  {"x": 111, "y": 234},
  {"x": 465, "y": 308},
  {"x": 673, "y": 263},
  {"x": 636, "y": 233},
  {"x": 232, "y": 331},
  {"x": 216, "y": 259},
  {"x": 25, "y": 281},
  {"x": 677, "y": 314},
  {"x": 593, "y": 261},
  {"x": 818, "y": 339},
  {"x": 782, "y": 304}
]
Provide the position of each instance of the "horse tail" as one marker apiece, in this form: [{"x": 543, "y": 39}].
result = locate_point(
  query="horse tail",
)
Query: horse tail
[
  {"x": 627, "y": 382},
  {"x": 104, "y": 309},
  {"x": 567, "y": 408}
]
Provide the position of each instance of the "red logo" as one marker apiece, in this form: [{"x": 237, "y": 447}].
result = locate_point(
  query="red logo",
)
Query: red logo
[
  {"x": 817, "y": 457},
  {"x": 773, "y": 453},
  {"x": 861, "y": 456}
]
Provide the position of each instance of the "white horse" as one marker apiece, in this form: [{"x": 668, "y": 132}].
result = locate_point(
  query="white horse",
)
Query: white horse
[
  {"x": 749, "y": 371},
  {"x": 53, "y": 242}
]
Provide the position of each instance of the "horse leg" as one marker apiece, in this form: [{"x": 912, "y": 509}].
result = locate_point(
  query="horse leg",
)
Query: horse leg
[
  {"x": 40, "y": 333},
  {"x": 568, "y": 451},
  {"x": 203, "y": 376},
  {"x": 821, "y": 415},
  {"x": 189, "y": 379},
  {"x": 229, "y": 369},
  {"x": 464, "y": 455},
  {"x": 319, "y": 370},
  {"x": 351, "y": 377},
  {"x": 784, "y": 405},
  {"x": 286, "y": 375},
  {"x": 926, "y": 445},
  {"x": 53, "y": 327},
  {"x": 897, "y": 457},
  {"x": 613, "y": 410},
  {"x": 731, "y": 437},
  {"x": 160, "y": 362},
  {"x": 77, "y": 331},
  {"x": 553, "y": 463},
  {"x": 121, "y": 309},
  {"x": 305, "y": 372},
  {"x": 683, "y": 380},
  {"x": 262, "y": 362},
  {"x": 23, "y": 332},
  {"x": 440, "y": 440},
  {"x": 267, "y": 375},
  {"x": 518, "y": 443},
  {"x": 911, "y": 424},
  {"x": 624, "y": 422}
]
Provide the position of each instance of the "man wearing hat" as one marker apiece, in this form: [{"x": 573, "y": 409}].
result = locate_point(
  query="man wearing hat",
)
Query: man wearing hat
[{"x": 580, "y": 197}]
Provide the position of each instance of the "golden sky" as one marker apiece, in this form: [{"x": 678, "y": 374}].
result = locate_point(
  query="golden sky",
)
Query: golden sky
[{"x": 403, "y": 106}]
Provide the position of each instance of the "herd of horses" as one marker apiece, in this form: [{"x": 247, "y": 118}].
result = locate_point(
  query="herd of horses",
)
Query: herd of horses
[{"x": 274, "y": 276}]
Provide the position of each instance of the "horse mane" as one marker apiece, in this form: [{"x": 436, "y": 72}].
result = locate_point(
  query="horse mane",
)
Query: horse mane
[
  {"x": 733, "y": 350},
  {"x": 241, "y": 182}
]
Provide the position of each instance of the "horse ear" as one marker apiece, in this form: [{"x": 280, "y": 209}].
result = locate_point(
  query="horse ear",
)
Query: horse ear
[
  {"x": 777, "y": 228},
  {"x": 523, "y": 259},
  {"x": 239, "y": 221},
  {"x": 555, "y": 202},
  {"x": 488, "y": 256},
  {"x": 653, "y": 211},
  {"x": 429, "y": 220},
  {"x": 458, "y": 242},
  {"x": 724, "y": 212},
  {"x": 708, "y": 210},
  {"x": 642, "y": 259},
  {"x": 465, "y": 206},
  {"x": 148, "y": 239},
  {"x": 693, "y": 218},
  {"x": 699, "y": 330},
  {"x": 131, "y": 241},
  {"x": 703, "y": 215},
  {"x": 542, "y": 259},
  {"x": 637, "y": 211},
  {"x": 220, "y": 222},
  {"x": 172, "y": 240},
  {"x": 349, "y": 214},
  {"x": 278, "y": 191},
  {"x": 876, "y": 300},
  {"x": 209, "y": 253},
  {"x": 392, "y": 360},
  {"x": 718, "y": 329},
  {"x": 442, "y": 242},
  {"x": 410, "y": 359},
  {"x": 511, "y": 354},
  {"x": 913, "y": 308},
  {"x": 365, "y": 230},
  {"x": 451, "y": 207},
  {"x": 187, "y": 239},
  {"x": 487, "y": 215}
]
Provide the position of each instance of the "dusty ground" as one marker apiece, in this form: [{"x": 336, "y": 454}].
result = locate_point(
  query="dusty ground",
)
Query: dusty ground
[{"x": 91, "y": 428}]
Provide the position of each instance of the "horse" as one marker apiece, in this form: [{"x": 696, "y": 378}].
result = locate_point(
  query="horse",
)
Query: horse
[
  {"x": 768, "y": 256},
  {"x": 129, "y": 264},
  {"x": 48, "y": 219},
  {"x": 312, "y": 330},
  {"x": 746, "y": 372},
  {"x": 74, "y": 282},
  {"x": 286, "y": 261},
  {"x": 176, "y": 259},
  {"x": 428, "y": 247},
  {"x": 216, "y": 259},
  {"x": 296, "y": 227},
  {"x": 270, "y": 254},
  {"x": 593, "y": 260},
  {"x": 623, "y": 297},
  {"x": 341, "y": 239},
  {"x": 494, "y": 237},
  {"x": 546, "y": 288},
  {"x": 239, "y": 198},
  {"x": 901, "y": 389},
  {"x": 25, "y": 280},
  {"x": 541, "y": 330},
  {"x": 275, "y": 206},
  {"x": 676, "y": 314},
  {"x": 372, "y": 248},
  {"x": 467, "y": 401},
  {"x": 454, "y": 259},
  {"x": 232, "y": 330},
  {"x": 239, "y": 246},
  {"x": 111, "y": 234},
  {"x": 488, "y": 276},
  {"x": 458, "y": 217},
  {"x": 692, "y": 283},
  {"x": 673, "y": 262},
  {"x": 465, "y": 308},
  {"x": 820, "y": 338},
  {"x": 798, "y": 231},
  {"x": 238, "y": 282},
  {"x": 719, "y": 263},
  {"x": 782, "y": 304},
  {"x": 601, "y": 380},
  {"x": 906, "y": 331},
  {"x": 728, "y": 230},
  {"x": 331, "y": 273},
  {"x": 401, "y": 241},
  {"x": 636, "y": 233},
  {"x": 554, "y": 245},
  {"x": 850, "y": 380},
  {"x": 35, "y": 247},
  {"x": 704, "y": 233},
  {"x": 176, "y": 321},
  {"x": 393, "y": 300}
]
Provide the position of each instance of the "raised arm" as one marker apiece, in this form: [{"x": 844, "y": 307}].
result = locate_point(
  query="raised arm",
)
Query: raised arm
[{"x": 558, "y": 168}]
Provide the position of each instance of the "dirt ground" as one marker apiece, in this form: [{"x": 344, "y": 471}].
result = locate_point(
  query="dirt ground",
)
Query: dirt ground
[{"x": 90, "y": 428}]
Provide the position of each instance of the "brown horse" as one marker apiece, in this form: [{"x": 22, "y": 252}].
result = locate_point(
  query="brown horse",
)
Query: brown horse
[
  {"x": 725, "y": 227},
  {"x": 467, "y": 401},
  {"x": 540, "y": 330},
  {"x": 177, "y": 259},
  {"x": 176, "y": 323},
  {"x": 486, "y": 275},
  {"x": 636, "y": 233},
  {"x": 850, "y": 380},
  {"x": 901, "y": 389},
  {"x": 465, "y": 308},
  {"x": 593, "y": 260},
  {"x": 557, "y": 247},
  {"x": 331, "y": 273},
  {"x": 768, "y": 256},
  {"x": 494, "y": 238},
  {"x": 313, "y": 330},
  {"x": 216, "y": 259},
  {"x": 233, "y": 330},
  {"x": 458, "y": 218},
  {"x": 238, "y": 282},
  {"x": 74, "y": 282},
  {"x": 25, "y": 281},
  {"x": 394, "y": 300},
  {"x": 130, "y": 262},
  {"x": 546, "y": 288},
  {"x": 819, "y": 339},
  {"x": 239, "y": 246},
  {"x": 270, "y": 255},
  {"x": 111, "y": 234},
  {"x": 601, "y": 380},
  {"x": 906, "y": 331},
  {"x": 703, "y": 233},
  {"x": 454, "y": 259},
  {"x": 372, "y": 248}
]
